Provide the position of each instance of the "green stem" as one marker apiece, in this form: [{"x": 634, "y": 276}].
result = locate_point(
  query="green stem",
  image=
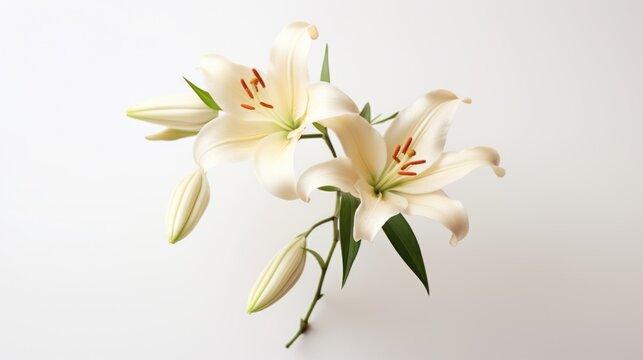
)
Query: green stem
[
  {"x": 303, "y": 324},
  {"x": 320, "y": 222},
  {"x": 311, "y": 136},
  {"x": 329, "y": 143}
]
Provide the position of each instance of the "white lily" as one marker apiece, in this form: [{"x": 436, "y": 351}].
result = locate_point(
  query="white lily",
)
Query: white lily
[
  {"x": 182, "y": 115},
  {"x": 187, "y": 204},
  {"x": 402, "y": 171},
  {"x": 265, "y": 114}
]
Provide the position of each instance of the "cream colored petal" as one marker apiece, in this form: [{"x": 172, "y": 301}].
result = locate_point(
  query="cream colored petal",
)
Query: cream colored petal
[
  {"x": 326, "y": 101},
  {"x": 229, "y": 139},
  {"x": 361, "y": 143},
  {"x": 183, "y": 112},
  {"x": 427, "y": 121},
  {"x": 452, "y": 166},
  {"x": 336, "y": 172},
  {"x": 288, "y": 71},
  {"x": 439, "y": 207},
  {"x": 274, "y": 164},
  {"x": 223, "y": 82},
  {"x": 374, "y": 210}
]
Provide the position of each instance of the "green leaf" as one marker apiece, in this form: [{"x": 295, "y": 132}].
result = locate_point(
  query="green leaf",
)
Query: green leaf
[
  {"x": 204, "y": 96},
  {"x": 386, "y": 118},
  {"x": 366, "y": 112},
  {"x": 401, "y": 235},
  {"x": 349, "y": 246},
  {"x": 322, "y": 129},
  {"x": 325, "y": 71},
  {"x": 328, "y": 188},
  {"x": 320, "y": 260}
]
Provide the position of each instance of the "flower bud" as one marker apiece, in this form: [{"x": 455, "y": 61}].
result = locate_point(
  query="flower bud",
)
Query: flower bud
[
  {"x": 181, "y": 112},
  {"x": 187, "y": 204},
  {"x": 279, "y": 276},
  {"x": 170, "y": 134}
]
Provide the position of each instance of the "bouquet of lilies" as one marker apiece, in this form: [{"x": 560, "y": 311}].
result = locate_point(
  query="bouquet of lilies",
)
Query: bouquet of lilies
[{"x": 241, "y": 113}]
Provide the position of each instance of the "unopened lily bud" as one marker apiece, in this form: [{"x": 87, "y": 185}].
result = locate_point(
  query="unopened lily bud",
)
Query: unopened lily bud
[
  {"x": 187, "y": 204},
  {"x": 279, "y": 276},
  {"x": 185, "y": 112},
  {"x": 170, "y": 134}
]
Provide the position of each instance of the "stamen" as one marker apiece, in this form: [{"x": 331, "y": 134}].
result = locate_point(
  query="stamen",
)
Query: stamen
[
  {"x": 411, "y": 163},
  {"x": 254, "y": 83},
  {"x": 266, "y": 105},
  {"x": 408, "y": 173},
  {"x": 397, "y": 151},
  {"x": 411, "y": 153},
  {"x": 263, "y": 84},
  {"x": 246, "y": 106},
  {"x": 406, "y": 145},
  {"x": 245, "y": 87}
]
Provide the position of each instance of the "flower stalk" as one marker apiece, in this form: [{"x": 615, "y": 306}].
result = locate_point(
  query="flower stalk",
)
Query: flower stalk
[{"x": 303, "y": 323}]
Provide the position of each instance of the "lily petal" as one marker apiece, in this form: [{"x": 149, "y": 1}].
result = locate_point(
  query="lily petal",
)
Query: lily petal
[
  {"x": 274, "y": 164},
  {"x": 361, "y": 143},
  {"x": 289, "y": 67},
  {"x": 452, "y": 166},
  {"x": 229, "y": 139},
  {"x": 223, "y": 82},
  {"x": 427, "y": 121},
  {"x": 182, "y": 112},
  {"x": 336, "y": 172},
  {"x": 439, "y": 207},
  {"x": 374, "y": 210},
  {"x": 326, "y": 101}
]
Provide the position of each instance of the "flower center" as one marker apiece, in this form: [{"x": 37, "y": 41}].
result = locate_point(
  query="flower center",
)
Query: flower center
[
  {"x": 399, "y": 169},
  {"x": 259, "y": 100}
]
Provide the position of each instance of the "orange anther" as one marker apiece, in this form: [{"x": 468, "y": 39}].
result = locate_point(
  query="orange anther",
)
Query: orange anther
[
  {"x": 266, "y": 105},
  {"x": 246, "y": 106},
  {"x": 245, "y": 87},
  {"x": 263, "y": 84},
  {"x": 406, "y": 145},
  {"x": 254, "y": 83},
  {"x": 395, "y": 152},
  {"x": 408, "y": 173},
  {"x": 411, "y": 163}
]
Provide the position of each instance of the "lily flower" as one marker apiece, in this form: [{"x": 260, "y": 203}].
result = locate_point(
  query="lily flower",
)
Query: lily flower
[
  {"x": 266, "y": 113},
  {"x": 182, "y": 115},
  {"x": 402, "y": 171}
]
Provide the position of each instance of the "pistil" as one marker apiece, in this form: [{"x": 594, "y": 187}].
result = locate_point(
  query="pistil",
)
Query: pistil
[{"x": 399, "y": 167}]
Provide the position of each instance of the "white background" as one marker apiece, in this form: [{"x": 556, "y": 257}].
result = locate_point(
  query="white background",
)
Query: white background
[{"x": 552, "y": 267}]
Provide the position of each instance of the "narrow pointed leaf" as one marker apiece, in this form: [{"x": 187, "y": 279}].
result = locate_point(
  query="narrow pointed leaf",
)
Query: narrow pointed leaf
[
  {"x": 325, "y": 76},
  {"x": 320, "y": 260},
  {"x": 328, "y": 188},
  {"x": 322, "y": 129},
  {"x": 366, "y": 112},
  {"x": 401, "y": 235},
  {"x": 325, "y": 71},
  {"x": 392, "y": 116},
  {"x": 374, "y": 119},
  {"x": 204, "y": 96},
  {"x": 349, "y": 246}
]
